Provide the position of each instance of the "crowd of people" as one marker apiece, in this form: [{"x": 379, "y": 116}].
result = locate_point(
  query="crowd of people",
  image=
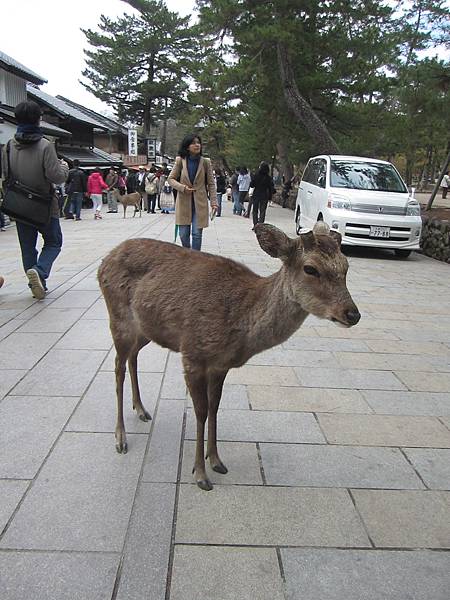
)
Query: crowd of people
[{"x": 191, "y": 189}]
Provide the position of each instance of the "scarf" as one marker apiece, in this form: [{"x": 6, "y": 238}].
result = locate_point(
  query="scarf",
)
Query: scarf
[{"x": 28, "y": 134}]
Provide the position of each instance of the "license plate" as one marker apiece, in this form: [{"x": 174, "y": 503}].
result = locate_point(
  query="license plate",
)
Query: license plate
[{"x": 380, "y": 232}]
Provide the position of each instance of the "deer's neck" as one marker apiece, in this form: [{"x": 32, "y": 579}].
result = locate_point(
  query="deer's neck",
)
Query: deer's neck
[{"x": 276, "y": 316}]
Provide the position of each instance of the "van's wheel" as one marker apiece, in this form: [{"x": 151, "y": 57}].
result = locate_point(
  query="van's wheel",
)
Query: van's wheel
[
  {"x": 399, "y": 253},
  {"x": 297, "y": 221}
]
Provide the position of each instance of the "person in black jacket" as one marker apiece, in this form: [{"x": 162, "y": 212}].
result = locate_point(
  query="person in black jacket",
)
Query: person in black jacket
[
  {"x": 76, "y": 188},
  {"x": 221, "y": 185},
  {"x": 263, "y": 190}
]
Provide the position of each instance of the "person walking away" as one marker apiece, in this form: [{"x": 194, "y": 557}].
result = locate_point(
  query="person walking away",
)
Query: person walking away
[
  {"x": 95, "y": 187},
  {"x": 221, "y": 186},
  {"x": 192, "y": 176},
  {"x": 141, "y": 177},
  {"x": 151, "y": 189},
  {"x": 243, "y": 183},
  {"x": 34, "y": 163},
  {"x": 445, "y": 184},
  {"x": 263, "y": 190},
  {"x": 235, "y": 191},
  {"x": 76, "y": 187},
  {"x": 112, "y": 182}
]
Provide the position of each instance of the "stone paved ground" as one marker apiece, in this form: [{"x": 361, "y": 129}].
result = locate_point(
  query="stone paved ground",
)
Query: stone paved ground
[{"x": 337, "y": 443}]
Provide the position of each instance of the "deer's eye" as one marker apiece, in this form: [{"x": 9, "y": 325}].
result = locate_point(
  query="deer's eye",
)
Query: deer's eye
[{"x": 311, "y": 271}]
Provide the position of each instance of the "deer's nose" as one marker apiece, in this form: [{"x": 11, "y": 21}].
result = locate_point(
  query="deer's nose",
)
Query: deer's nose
[{"x": 352, "y": 316}]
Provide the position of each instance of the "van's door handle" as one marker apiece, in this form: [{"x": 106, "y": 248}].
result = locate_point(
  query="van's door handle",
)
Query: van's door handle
[{"x": 309, "y": 192}]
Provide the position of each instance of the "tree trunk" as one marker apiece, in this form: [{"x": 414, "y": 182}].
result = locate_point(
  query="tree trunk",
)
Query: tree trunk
[
  {"x": 287, "y": 168},
  {"x": 300, "y": 107}
]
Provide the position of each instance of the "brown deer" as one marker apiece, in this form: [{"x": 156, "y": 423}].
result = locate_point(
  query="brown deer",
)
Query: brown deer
[
  {"x": 133, "y": 199},
  {"x": 216, "y": 312}
]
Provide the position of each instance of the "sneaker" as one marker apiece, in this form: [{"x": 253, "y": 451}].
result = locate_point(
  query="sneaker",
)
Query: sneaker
[{"x": 35, "y": 284}]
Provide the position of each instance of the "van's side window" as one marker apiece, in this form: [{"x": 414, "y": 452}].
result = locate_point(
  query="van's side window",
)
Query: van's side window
[
  {"x": 307, "y": 174},
  {"x": 321, "y": 173}
]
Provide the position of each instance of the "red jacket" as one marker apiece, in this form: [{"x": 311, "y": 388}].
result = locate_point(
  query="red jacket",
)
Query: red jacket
[{"x": 96, "y": 185}]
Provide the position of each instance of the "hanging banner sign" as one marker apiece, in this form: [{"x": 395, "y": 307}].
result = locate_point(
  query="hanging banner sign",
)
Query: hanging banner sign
[
  {"x": 151, "y": 148},
  {"x": 132, "y": 142}
]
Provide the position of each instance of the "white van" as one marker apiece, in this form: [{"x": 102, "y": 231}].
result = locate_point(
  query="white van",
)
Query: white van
[{"x": 365, "y": 199}]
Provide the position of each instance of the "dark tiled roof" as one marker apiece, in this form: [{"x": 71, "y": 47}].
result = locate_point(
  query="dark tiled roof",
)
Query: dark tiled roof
[
  {"x": 88, "y": 157},
  {"x": 63, "y": 108},
  {"x": 47, "y": 128},
  {"x": 9, "y": 64},
  {"x": 109, "y": 123}
]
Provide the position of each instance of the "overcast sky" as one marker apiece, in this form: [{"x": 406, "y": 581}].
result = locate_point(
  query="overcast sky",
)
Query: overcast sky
[{"x": 45, "y": 36}]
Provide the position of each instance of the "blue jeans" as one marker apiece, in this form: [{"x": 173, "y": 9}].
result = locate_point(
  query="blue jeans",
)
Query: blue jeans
[
  {"x": 53, "y": 239},
  {"x": 76, "y": 200},
  {"x": 219, "y": 204},
  {"x": 237, "y": 206},
  {"x": 185, "y": 232}
]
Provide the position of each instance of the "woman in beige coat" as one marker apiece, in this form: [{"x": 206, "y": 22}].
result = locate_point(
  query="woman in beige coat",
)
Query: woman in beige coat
[{"x": 192, "y": 177}]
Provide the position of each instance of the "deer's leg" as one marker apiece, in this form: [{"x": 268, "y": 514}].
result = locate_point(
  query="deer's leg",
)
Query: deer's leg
[
  {"x": 215, "y": 386},
  {"x": 198, "y": 388},
  {"x": 132, "y": 366},
  {"x": 124, "y": 210},
  {"x": 121, "y": 438}
]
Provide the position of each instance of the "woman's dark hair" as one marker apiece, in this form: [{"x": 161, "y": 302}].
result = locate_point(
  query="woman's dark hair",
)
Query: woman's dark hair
[
  {"x": 264, "y": 168},
  {"x": 28, "y": 112},
  {"x": 183, "y": 150}
]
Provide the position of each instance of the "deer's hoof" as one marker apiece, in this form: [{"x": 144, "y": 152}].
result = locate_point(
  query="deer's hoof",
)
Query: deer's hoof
[
  {"x": 205, "y": 484},
  {"x": 220, "y": 468},
  {"x": 122, "y": 447},
  {"x": 145, "y": 416}
]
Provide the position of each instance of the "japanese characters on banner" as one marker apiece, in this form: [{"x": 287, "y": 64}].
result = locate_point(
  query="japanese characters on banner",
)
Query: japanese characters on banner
[
  {"x": 132, "y": 142},
  {"x": 151, "y": 148}
]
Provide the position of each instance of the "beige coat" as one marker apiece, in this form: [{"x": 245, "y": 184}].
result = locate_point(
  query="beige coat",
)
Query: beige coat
[{"x": 204, "y": 185}]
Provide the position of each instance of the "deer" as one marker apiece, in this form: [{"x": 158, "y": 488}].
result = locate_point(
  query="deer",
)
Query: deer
[
  {"x": 133, "y": 199},
  {"x": 217, "y": 313}
]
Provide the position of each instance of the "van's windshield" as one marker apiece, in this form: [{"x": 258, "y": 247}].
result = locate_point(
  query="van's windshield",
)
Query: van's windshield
[{"x": 365, "y": 176}]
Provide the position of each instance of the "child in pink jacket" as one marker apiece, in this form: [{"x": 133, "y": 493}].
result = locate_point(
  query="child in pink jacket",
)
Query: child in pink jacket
[{"x": 95, "y": 187}]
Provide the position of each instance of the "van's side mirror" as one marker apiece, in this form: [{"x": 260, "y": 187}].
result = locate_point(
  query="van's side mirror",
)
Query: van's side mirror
[{"x": 412, "y": 191}]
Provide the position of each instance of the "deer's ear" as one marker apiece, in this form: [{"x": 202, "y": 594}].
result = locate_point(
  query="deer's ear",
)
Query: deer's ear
[
  {"x": 274, "y": 241},
  {"x": 307, "y": 240},
  {"x": 336, "y": 235}
]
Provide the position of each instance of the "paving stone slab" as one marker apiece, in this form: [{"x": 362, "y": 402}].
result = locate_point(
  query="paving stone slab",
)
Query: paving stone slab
[
  {"x": 281, "y": 357},
  {"x": 234, "y": 397},
  {"x": 425, "y": 404},
  {"x": 82, "y": 337},
  {"x": 152, "y": 358},
  {"x": 337, "y": 466},
  {"x": 325, "y": 574},
  {"x": 12, "y": 349},
  {"x": 82, "y": 498},
  {"x": 204, "y": 573},
  {"x": 174, "y": 385},
  {"x": 393, "y": 362},
  {"x": 384, "y": 430},
  {"x": 163, "y": 456},
  {"x": 262, "y": 426},
  {"x": 52, "y": 319},
  {"x": 241, "y": 460},
  {"x": 433, "y": 465},
  {"x": 9, "y": 378},
  {"x": 97, "y": 311},
  {"x": 97, "y": 411},
  {"x": 147, "y": 548},
  {"x": 348, "y": 378},
  {"x": 61, "y": 373},
  {"x": 306, "y": 399},
  {"x": 418, "y": 381},
  {"x": 405, "y": 519},
  {"x": 403, "y": 347},
  {"x": 362, "y": 333},
  {"x": 11, "y": 493},
  {"x": 57, "y": 576},
  {"x": 259, "y": 375},
  {"x": 30, "y": 425},
  {"x": 76, "y": 299},
  {"x": 267, "y": 516},
  {"x": 326, "y": 345}
]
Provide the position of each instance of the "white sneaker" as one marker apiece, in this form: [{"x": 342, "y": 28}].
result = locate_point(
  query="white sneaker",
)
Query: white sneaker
[{"x": 35, "y": 283}]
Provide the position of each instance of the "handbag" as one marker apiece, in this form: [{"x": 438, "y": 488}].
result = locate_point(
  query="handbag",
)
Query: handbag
[{"x": 23, "y": 203}]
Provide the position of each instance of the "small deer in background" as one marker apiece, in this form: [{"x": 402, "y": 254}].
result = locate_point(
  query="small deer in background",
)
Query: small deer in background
[
  {"x": 133, "y": 199},
  {"x": 217, "y": 313}
]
